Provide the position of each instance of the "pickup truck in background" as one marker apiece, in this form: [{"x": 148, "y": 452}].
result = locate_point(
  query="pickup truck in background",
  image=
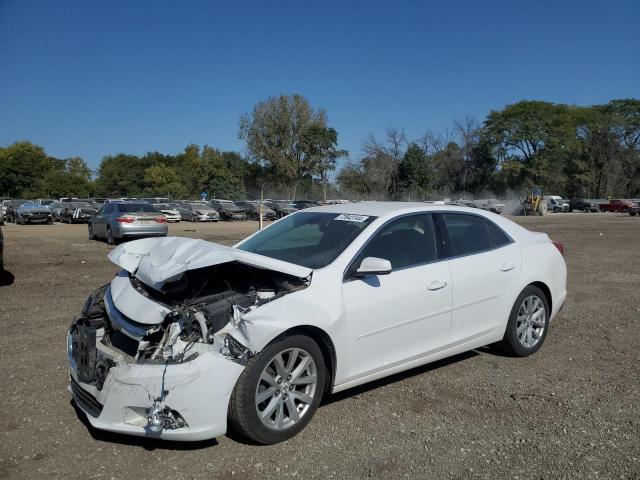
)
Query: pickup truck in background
[
  {"x": 582, "y": 205},
  {"x": 616, "y": 205}
]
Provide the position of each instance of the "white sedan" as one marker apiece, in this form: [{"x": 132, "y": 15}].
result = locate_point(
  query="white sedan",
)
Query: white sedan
[{"x": 192, "y": 337}]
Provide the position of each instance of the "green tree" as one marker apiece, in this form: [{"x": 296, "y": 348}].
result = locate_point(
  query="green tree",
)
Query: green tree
[
  {"x": 217, "y": 177},
  {"x": 320, "y": 144},
  {"x": 416, "y": 174},
  {"x": 163, "y": 180},
  {"x": 273, "y": 133},
  {"x": 22, "y": 166}
]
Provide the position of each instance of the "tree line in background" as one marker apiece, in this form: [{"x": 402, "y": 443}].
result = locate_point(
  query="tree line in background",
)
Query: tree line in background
[{"x": 568, "y": 150}]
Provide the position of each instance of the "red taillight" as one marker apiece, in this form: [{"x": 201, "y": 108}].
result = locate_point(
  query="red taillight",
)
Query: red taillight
[
  {"x": 559, "y": 246},
  {"x": 161, "y": 219},
  {"x": 125, "y": 219}
]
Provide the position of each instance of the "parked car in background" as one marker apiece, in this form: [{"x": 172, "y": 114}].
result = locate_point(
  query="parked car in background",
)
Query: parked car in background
[
  {"x": 302, "y": 204},
  {"x": 635, "y": 210},
  {"x": 153, "y": 200},
  {"x": 77, "y": 212},
  {"x": 582, "y": 205},
  {"x": 170, "y": 211},
  {"x": 10, "y": 208},
  {"x": 492, "y": 205},
  {"x": 253, "y": 336},
  {"x": 228, "y": 210},
  {"x": 3, "y": 205},
  {"x": 194, "y": 211},
  {"x": 617, "y": 205},
  {"x": 56, "y": 209},
  {"x": 68, "y": 199},
  {"x": 45, "y": 201},
  {"x": 252, "y": 210},
  {"x": 117, "y": 221},
  {"x": 31, "y": 212},
  {"x": 1, "y": 250},
  {"x": 282, "y": 209},
  {"x": 556, "y": 204}
]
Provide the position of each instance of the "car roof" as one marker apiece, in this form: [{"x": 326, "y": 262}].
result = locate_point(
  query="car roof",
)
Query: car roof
[{"x": 388, "y": 210}]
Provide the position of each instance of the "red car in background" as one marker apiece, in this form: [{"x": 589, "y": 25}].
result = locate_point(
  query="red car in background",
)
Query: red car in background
[{"x": 616, "y": 205}]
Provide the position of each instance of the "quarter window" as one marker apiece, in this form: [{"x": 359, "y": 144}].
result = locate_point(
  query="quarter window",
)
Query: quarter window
[{"x": 405, "y": 242}]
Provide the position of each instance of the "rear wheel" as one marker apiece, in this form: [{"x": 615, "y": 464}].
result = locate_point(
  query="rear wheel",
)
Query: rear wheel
[
  {"x": 279, "y": 390},
  {"x": 528, "y": 323},
  {"x": 111, "y": 240}
]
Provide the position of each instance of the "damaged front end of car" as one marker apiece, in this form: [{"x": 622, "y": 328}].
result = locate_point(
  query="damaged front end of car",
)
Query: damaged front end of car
[{"x": 153, "y": 353}]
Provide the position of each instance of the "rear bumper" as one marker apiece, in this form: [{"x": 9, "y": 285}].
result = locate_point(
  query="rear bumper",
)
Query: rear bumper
[{"x": 127, "y": 230}]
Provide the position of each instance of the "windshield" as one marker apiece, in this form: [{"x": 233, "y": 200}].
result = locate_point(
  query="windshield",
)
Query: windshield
[
  {"x": 162, "y": 206},
  {"x": 79, "y": 205},
  {"x": 30, "y": 205},
  {"x": 200, "y": 206},
  {"x": 134, "y": 207},
  {"x": 311, "y": 239}
]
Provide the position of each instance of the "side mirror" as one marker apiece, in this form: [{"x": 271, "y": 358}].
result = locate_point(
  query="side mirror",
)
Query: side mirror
[{"x": 373, "y": 266}]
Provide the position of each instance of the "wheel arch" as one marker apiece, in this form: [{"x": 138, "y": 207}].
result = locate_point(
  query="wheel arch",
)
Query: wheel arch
[
  {"x": 325, "y": 343},
  {"x": 546, "y": 290}
]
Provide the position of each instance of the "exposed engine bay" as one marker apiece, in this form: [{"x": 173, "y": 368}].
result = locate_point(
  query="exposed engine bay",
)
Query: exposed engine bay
[{"x": 201, "y": 306}]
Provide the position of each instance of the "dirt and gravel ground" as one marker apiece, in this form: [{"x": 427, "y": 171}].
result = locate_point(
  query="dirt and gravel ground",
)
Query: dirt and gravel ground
[{"x": 571, "y": 411}]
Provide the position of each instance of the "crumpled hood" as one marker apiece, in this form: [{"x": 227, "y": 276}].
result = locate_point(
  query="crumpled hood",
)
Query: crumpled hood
[{"x": 155, "y": 260}]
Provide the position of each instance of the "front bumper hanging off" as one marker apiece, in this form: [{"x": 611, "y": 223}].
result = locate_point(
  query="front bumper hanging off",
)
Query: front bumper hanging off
[{"x": 198, "y": 391}]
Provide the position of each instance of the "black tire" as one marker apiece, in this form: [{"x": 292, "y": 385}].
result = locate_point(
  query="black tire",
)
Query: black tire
[
  {"x": 586, "y": 210},
  {"x": 243, "y": 417},
  {"x": 91, "y": 234},
  {"x": 510, "y": 343},
  {"x": 633, "y": 214},
  {"x": 70, "y": 220},
  {"x": 50, "y": 221},
  {"x": 111, "y": 240}
]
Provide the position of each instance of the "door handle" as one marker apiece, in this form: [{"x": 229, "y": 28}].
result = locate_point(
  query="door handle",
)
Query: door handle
[
  {"x": 507, "y": 267},
  {"x": 437, "y": 285}
]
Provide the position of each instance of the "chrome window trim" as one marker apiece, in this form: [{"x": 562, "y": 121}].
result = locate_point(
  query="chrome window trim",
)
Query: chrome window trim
[{"x": 437, "y": 214}]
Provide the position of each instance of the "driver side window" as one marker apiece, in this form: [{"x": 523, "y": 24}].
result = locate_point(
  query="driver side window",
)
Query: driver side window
[{"x": 405, "y": 242}]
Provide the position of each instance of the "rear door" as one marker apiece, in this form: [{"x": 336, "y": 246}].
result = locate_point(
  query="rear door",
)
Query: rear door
[
  {"x": 99, "y": 221},
  {"x": 406, "y": 314},
  {"x": 485, "y": 265}
]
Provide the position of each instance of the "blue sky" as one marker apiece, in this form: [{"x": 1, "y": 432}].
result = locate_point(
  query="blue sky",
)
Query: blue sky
[{"x": 92, "y": 78}]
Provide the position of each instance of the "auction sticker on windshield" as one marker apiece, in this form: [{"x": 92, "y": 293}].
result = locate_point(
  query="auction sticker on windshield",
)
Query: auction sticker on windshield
[{"x": 352, "y": 218}]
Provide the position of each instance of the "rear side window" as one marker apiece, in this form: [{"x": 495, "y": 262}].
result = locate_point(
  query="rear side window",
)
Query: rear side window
[
  {"x": 497, "y": 235},
  {"x": 406, "y": 242},
  {"x": 469, "y": 234}
]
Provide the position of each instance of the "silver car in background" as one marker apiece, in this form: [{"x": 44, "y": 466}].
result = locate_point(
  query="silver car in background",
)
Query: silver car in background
[
  {"x": 198, "y": 212},
  {"x": 117, "y": 221},
  {"x": 169, "y": 210}
]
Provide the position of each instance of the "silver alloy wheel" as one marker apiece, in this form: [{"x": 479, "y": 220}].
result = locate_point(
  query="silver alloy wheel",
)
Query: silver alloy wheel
[
  {"x": 286, "y": 389},
  {"x": 531, "y": 321}
]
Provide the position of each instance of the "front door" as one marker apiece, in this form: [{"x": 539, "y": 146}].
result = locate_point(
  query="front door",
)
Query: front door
[{"x": 406, "y": 314}]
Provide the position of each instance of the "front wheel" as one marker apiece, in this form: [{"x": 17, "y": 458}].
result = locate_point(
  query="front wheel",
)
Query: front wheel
[
  {"x": 279, "y": 390},
  {"x": 528, "y": 323}
]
